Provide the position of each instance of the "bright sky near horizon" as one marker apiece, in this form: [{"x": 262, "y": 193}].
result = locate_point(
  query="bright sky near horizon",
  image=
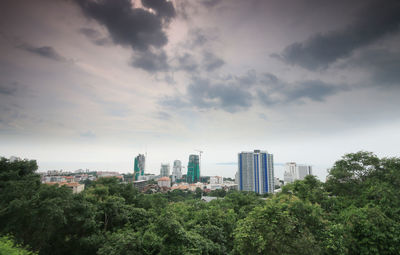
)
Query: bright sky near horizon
[{"x": 91, "y": 84}]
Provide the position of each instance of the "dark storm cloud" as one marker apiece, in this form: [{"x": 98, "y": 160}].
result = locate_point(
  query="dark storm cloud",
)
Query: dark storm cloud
[
  {"x": 229, "y": 97},
  {"x": 283, "y": 93},
  {"x": 319, "y": 51},
  {"x": 151, "y": 61},
  {"x": 95, "y": 36},
  {"x": 383, "y": 67},
  {"x": 203, "y": 94},
  {"x": 44, "y": 51},
  {"x": 241, "y": 92},
  {"x": 163, "y": 8},
  {"x": 210, "y": 3},
  {"x": 211, "y": 62},
  {"x": 134, "y": 27}
]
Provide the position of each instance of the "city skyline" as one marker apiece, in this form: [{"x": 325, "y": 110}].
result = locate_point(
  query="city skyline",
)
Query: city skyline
[{"x": 91, "y": 84}]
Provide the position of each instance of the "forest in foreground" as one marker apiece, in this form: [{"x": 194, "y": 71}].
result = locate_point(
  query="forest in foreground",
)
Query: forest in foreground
[{"x": 356, "y": 211}]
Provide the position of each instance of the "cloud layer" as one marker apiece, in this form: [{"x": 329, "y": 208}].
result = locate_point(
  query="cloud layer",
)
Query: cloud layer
[
  {"x": 377, "y": 20},
  {"x": 129, "y": 26},
  {"x": 104, "y": 79}
]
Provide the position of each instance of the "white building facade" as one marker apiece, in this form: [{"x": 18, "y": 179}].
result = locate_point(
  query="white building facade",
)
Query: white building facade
[
  {"x": 164, "y": 182},
  {"x": 256, "y": 172},
  {"x": 177, "y": 170},
  {"x": 216, "y": 180},
  {"x": 164, "y": 171},
  {"x": 294, "y": 172}
]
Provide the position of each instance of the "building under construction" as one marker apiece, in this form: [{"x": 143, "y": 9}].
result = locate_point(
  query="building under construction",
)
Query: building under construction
[
  {"x": 140, "y": 163},
  {"x": 193, "y": 169}
]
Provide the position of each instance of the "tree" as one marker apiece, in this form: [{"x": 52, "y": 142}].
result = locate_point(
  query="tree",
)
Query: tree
[
  {"x": 128, "y": 242},
  {"x": 370, "y": 231},
  {"x": 284, "y": 225},
  {"x": 348, "y": 175},
  {"x": 217, "y": 193},
  {"x": 8, "y": 247},
  {"x": 198, "y": 193}
]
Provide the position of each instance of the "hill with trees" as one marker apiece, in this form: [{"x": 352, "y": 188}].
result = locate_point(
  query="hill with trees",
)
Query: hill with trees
[{"x": 356, "y": 211}]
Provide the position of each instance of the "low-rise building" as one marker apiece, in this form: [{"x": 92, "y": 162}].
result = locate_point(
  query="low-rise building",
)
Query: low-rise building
[
  {"x": 140, "y": 185},
  {"x": 101, "y": 174},
  {"x": 148, "y": 177},
  {"x": 216, "y": 180},
  {"x": 74, "y": 186},
  {"x": 180, "y": 186},
  {"x": 164, "y": 182}
]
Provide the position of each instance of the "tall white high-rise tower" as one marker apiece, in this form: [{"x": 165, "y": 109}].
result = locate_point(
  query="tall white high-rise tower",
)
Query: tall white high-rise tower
[
  {"x": 256, "y": 172},
  {"x": 177, "y": 170},
  {"x": 295, "y": 172}
]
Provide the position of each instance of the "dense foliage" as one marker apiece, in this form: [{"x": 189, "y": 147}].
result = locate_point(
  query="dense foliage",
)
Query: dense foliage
[
  {"x": 8, "y": 247},
  {"x": 355, "y": 212}
]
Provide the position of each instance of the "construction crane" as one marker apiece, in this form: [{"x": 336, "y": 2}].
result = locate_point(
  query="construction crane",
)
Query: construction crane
[{"x": 200, "y": 152}]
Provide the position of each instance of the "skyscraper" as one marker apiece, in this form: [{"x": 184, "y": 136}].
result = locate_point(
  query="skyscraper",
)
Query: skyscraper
[
  {"x": 177, "y": 170},
  {"x": 164, "y": 171},
  {"x": 193, "y": 169},
  {"x": 140, "y": 163},
  {"x": 295, "y": 172},
  {"x": 303, "y": 171},
  {"x": 256, "y": 171}
]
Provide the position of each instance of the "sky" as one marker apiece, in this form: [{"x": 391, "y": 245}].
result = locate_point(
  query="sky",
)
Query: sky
[{"x": 93, "y": 83}]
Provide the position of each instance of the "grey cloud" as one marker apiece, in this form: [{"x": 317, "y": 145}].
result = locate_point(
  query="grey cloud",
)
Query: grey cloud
[
  {"x": 211, "y": 62},
  {"x": 267, "y": 98},
  {"x": 163, "y": 8},
  {"x": 233, "y": 95},
  {"x": 44, "y": 51},
  {"x": 8, "y": 89},
  {"x": 229, "y": 97},
  {"x": 197, "y": 38},
  {"x": 249, "y": 79},
  {"x": 315, "y": 90},
  {"x": 382, "y": 65},
  {"x": 379, "y": 19},
  {"x": 134, "y": 27},
  {"x": 283, "y": 93},
  {"x": 269, "y": 78},
  {"x": 95, "y": 36},
  {"x": 174, "y": 102},
  {"x": 151, "y": 61},
  {"x": 202, "y": 94},
  {"x": 169, "y": 79},
  {"x": 187, "y": 63},
  {"x": 163, "y": 115},
  {"x": 210, "y": 3}
]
